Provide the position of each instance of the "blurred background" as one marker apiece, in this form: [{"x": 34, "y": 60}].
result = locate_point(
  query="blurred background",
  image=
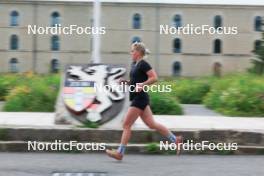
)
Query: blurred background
[
  {"x": 126, "y": 22},
  {"x": 222, "y": 71},
  {"x": 217, "y": 84}
]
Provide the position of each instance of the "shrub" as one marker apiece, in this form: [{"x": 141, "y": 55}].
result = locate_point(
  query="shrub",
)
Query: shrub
[
  {"x": 162, "y": 103},
  {"x": 35, "y": 94},
  {"x": 190, "y": 91},
  {"x": 7, "y": 82},
  {"x": 153, "y": 148},
  {"x": 237, "y": 95}
]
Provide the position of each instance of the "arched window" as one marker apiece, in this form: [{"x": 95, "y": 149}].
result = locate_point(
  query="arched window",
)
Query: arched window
[
  {"x": 136, "y": 39},
  {"x": 217, "y": 21},
  {"x": 176, "y": 68},
  {"x": 13, "y": 42},
  {"x": 13, "y": 65},
  {"x": 14, "y": 18},
  {"x": 136, "y": 21},
  {"x": 217, "y": 46},
  {"x": 55, "y": 66},
  {"x": 55, "y": 18},
  {"x": 177, "y": 45},
  {"x": 177, "y": 21},
  {"x": 258, "y": 24},
  {"x": 257, "y": 45},
  {"x": 55, "y": 43}
]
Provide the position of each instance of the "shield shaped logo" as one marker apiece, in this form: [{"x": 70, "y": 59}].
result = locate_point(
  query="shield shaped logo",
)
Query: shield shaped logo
[
  {"x": 91, "y": 93},
  {"x": 78, "y": 95}
]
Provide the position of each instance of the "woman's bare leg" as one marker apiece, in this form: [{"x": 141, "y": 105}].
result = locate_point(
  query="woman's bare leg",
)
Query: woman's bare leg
[
  {"x": 131, "y": 116},
  {"x": 148, "y": 119}
]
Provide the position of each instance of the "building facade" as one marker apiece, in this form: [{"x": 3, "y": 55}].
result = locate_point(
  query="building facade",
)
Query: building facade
[{"x": 127, "y": 22}]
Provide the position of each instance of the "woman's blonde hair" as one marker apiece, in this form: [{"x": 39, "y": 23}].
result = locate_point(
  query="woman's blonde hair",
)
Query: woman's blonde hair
[{"x": 139, "y": 46}]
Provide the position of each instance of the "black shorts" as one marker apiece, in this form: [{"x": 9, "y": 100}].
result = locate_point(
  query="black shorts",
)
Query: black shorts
[{"x": 140, "y": 101}]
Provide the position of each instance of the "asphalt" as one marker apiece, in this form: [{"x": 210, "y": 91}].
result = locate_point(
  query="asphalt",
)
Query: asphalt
[
  {"x": 198, "y": 110},
  {"x": 44, "y": 164}
]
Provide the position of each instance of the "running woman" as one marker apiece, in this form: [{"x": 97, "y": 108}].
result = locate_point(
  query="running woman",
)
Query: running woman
[{"x": 141, "y": 74}]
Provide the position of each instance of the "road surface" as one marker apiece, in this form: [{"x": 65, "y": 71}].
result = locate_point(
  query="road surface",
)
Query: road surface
[{"x": 44, "y": 164}]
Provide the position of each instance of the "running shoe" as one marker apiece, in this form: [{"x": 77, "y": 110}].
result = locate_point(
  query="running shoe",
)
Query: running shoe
[{"x": 114, "y": 154}]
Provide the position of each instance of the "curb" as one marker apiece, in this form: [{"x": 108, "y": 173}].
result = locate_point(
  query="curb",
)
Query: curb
[
  {"x": 153, "y": 148},
  {"x": 138, "y": 136}
]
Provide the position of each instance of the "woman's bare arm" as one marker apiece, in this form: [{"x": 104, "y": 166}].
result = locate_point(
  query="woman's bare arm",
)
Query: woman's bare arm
[{"x": 152, "y": 77}]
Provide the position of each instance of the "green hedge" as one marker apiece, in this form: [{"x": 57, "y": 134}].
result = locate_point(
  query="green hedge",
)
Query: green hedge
[
  {"x": 33, "y": 93},
  {"x": 7, "y": 83},
  {"x": 190, "y": 91},
  {"x": 232, "y": 95},
  {"x": 237, "y": 95},
  {"x": 164, "y": 104}
]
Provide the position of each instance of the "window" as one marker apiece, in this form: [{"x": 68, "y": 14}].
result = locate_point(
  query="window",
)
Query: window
[
  {"x": 257, "y": 45},
  {"x": 13, "y": 63},
  {"x": 217, "y": 46},
  {"x": 177, "y": 45},
  {"x": 55, "y": 18},
  {"x": 55, "y": 66},
  {"x": 55, "y": 43},
  {"x": 136, "y": 21},
  {"x": 136, "y": 39},
  {"x": 217, "y": 21},
  {"x": 14, "y": 18},
  {"x": 258, "y": 22},
  {"x": 176, "y": 68},
  {"x": 177, "y": 22},
  {"x": 13, "y": 42}
]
